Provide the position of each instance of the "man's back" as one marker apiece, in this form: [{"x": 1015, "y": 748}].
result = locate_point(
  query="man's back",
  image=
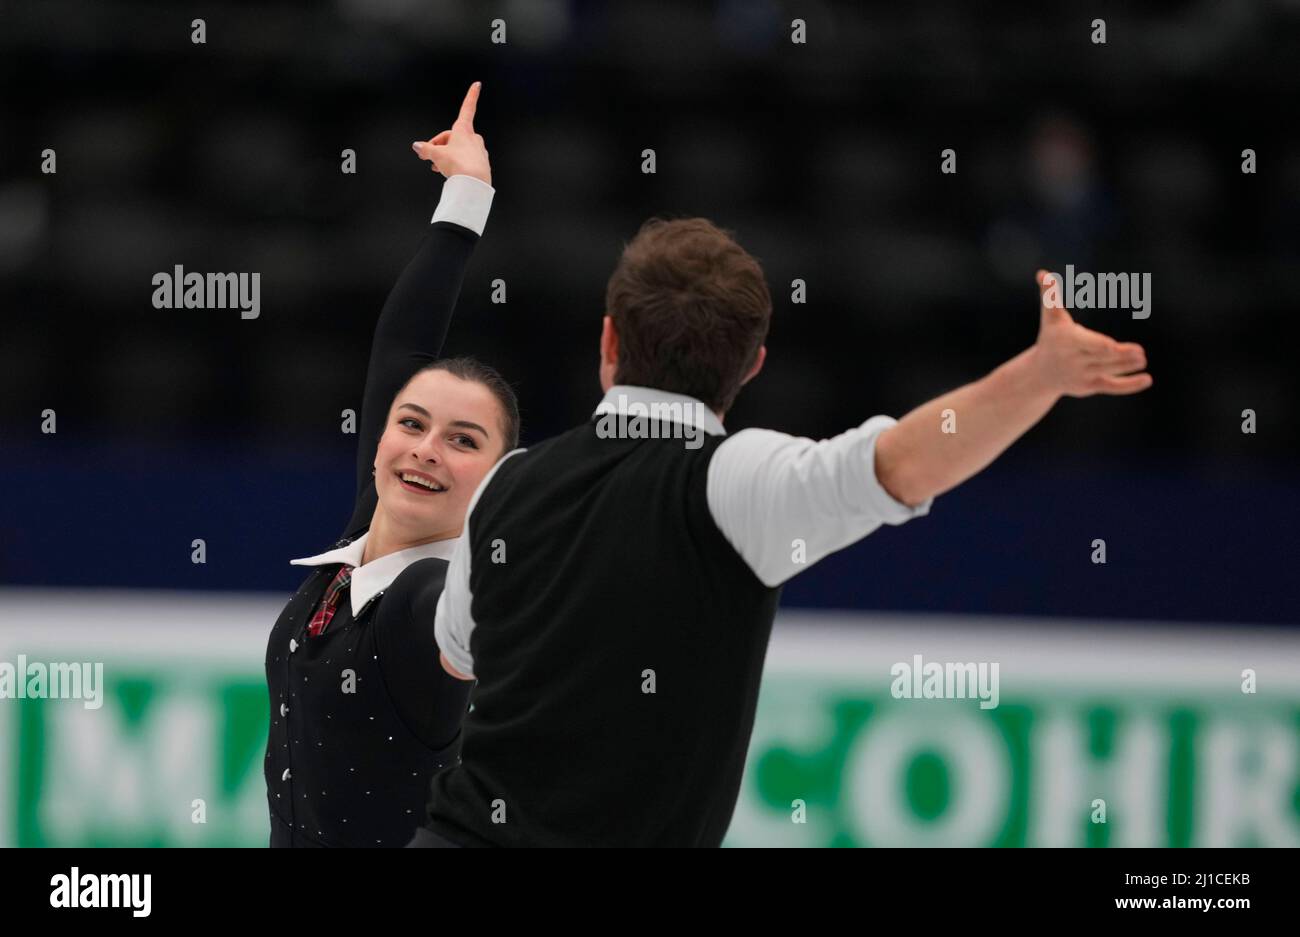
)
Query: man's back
[{"x": 620, "y": 643}]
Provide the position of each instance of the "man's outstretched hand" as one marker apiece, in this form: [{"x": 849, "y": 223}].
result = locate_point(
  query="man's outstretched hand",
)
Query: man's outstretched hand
[
  {"x": 459, "y": 151},
  {"x": 945, "y": 441},
  {"x": 1078, "y": 362}
]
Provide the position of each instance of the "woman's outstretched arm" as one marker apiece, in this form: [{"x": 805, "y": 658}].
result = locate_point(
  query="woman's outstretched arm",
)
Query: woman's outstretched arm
[{"x": 414, "y": 320}]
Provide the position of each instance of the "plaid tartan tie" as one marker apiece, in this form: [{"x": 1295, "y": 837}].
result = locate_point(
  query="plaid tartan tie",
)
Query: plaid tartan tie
[{"x": 331, "y": 602}]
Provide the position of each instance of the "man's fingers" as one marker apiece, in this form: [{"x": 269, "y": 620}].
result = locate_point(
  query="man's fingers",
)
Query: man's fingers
[
  {"x": 1044, "y": 280},
  {"x": 1085, "y": 345},
  {"x": 1100, "y": 345},
  {"x": 1127, "y": 359},
  {"x": 1105, "y": 352},
  {"x": 1114, "y": 365},
  {"x": 1053, "y": 313},
  {"x": 469, "y": 106},
  {"x": 1130, "y": 384},
  {"x": 1115, "y": 351}
]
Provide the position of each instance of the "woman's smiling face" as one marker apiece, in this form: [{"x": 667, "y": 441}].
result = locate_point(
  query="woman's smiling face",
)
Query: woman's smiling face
[{"x": 444, "y": 434}]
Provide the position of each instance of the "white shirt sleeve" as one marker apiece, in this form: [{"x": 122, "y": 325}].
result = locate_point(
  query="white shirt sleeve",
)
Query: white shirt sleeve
[
  {"x": 785, "y": 502},
  {"x": 453, "y": 624},
  {"x": 465, "y": 201}
]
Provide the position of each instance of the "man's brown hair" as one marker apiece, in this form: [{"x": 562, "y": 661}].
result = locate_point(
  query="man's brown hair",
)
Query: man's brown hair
[{"x": 691, "y": 308}]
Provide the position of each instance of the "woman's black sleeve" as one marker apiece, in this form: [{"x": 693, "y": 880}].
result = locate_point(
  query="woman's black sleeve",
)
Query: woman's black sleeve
[
  {"x": 411, "y": 329},
  {"x": 429, "y": 700}
]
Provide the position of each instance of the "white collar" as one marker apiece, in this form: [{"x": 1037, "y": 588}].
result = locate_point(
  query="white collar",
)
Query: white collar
[
  {"x": 693, "y": 412},
  {"x": 377, "y": 575}
]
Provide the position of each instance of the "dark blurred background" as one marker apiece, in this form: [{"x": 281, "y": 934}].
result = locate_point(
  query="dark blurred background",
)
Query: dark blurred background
[{"x": 823, "y": 157}]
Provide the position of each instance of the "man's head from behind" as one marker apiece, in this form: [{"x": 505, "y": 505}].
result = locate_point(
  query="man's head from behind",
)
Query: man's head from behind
[{"x": 687, "y": 311}]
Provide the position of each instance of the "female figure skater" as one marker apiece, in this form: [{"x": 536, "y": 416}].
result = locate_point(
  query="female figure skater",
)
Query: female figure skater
[{"x": 362, "y": 712}]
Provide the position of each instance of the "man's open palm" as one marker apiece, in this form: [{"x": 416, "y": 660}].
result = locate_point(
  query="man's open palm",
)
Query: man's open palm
[{"x": 1079, "y": 362}]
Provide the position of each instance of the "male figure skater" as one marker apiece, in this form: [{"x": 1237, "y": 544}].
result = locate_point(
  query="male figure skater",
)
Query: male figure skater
[{"x": 615, "y": 590}]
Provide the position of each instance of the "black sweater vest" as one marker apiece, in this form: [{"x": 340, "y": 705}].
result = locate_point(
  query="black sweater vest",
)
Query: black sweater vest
[{"x": 618, "y": 647}]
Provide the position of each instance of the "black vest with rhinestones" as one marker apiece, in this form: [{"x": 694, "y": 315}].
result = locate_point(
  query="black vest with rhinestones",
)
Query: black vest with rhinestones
[{"x": 342, "y": 768}]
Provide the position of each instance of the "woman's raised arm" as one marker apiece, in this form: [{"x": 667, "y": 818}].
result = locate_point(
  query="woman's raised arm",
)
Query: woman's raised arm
[{"x": 415, "y": 318}]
